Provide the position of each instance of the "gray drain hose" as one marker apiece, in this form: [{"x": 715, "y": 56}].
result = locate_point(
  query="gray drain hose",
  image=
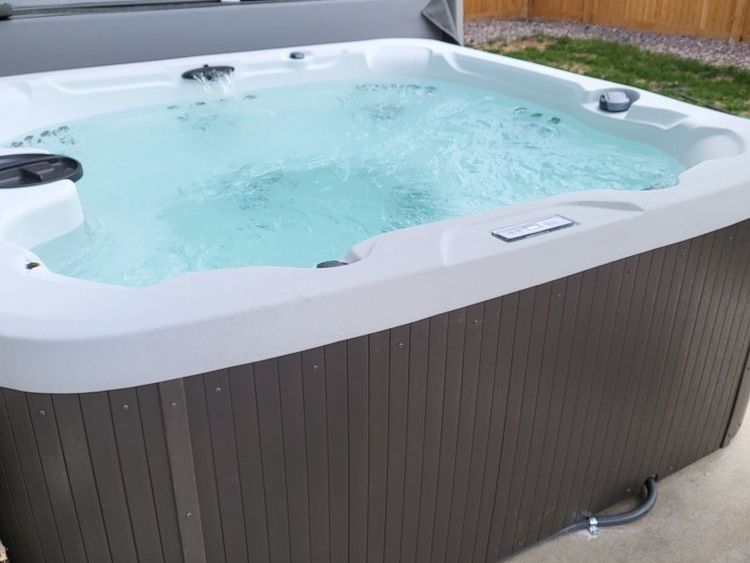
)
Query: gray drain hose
[
  {"x": 616, "y": 519},
  {"x": 593, "y": 523}
]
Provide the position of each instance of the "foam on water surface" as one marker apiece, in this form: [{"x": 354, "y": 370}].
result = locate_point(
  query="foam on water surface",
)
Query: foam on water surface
[{"x": 294, "y": 176}]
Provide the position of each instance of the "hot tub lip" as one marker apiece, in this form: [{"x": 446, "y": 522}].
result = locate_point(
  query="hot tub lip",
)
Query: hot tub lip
[{"x": 99, "y": 336}]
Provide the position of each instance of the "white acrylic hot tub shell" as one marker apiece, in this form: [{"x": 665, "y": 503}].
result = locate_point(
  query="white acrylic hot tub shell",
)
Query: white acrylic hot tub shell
[{"x": 59, "y": 334}]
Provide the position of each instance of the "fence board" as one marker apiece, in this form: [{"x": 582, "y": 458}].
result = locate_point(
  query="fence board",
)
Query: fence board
[
  {"x": 496, "y": 8},
  {"x": 743, "y": 23},
  {"x": 557, "y": 9},
  {"x": 720, "y": 19}
]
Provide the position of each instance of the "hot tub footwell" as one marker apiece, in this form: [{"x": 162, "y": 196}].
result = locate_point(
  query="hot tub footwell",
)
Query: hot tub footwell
[{"x": 462, "y": 437}]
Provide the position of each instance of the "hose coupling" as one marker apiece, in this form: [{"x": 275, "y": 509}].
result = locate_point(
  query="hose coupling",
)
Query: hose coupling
[{"x": 593, "y": 526}]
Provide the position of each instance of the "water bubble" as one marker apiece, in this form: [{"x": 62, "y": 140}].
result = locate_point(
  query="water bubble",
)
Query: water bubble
[
  {"x": 385, "y": 112},
  {"x": 548, "y": 132}
]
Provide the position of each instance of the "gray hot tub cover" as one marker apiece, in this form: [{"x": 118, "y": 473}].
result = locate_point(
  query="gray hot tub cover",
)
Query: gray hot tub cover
[{"x": 439, "y": 14}]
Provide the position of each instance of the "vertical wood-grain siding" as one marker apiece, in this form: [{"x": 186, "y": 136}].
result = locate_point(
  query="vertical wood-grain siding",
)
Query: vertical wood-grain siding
[{"x": 459, "y": 438}]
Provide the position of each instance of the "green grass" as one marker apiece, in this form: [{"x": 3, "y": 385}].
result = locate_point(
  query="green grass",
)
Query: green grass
[{"x": 724, "y": 88}]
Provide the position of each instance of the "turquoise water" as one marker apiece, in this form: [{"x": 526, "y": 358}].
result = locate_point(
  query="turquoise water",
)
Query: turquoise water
[{"x": 297, "y": 175}]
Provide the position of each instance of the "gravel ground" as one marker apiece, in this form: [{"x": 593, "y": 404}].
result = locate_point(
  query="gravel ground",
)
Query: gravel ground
[{"x": 711, "y": 51}]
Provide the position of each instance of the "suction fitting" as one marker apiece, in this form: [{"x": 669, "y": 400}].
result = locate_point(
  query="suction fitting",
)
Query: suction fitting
[
  {"x": 207, "y": 73},
  {"x": 297, "y": 55}
]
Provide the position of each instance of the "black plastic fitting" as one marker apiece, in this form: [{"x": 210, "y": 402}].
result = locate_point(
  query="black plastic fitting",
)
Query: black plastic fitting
[
  {"x": 22, "y": 170},
  {"x": 208, "y": 72}
]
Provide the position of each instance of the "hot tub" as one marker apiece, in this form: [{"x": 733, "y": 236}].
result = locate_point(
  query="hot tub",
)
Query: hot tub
[{"x": 456, "y": 390}]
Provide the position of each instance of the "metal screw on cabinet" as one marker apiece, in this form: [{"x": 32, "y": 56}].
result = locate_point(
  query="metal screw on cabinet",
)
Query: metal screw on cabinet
[
  {"x": 189, "y": 515},
  {"x": 218, "y": 389},
  {"x": 173, "y": 405},
  {"x": 125, "y": 408},
  {"x": 316, "y": 367},
  {"x": 476, "y": 322},
  {"x": 401, "y": 344},
  {"x": 42, "y": 413}
]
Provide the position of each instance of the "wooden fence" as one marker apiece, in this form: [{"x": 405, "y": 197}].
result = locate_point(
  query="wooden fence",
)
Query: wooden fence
[{"x": 723, "y": 19}]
